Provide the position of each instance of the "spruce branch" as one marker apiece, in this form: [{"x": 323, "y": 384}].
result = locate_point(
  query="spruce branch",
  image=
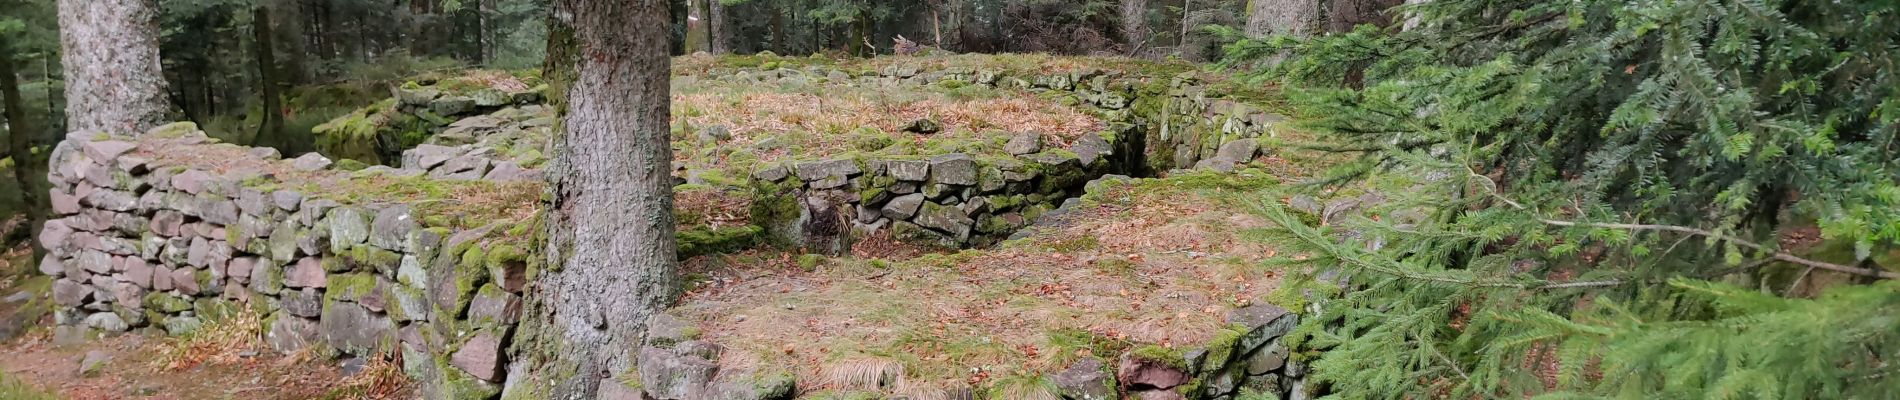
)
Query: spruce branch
[{"x": 1775, "y": 254}]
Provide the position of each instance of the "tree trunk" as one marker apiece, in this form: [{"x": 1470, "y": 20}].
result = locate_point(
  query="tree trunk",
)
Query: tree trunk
[
  {"x": 271, "y": 130},
  {"x": 720, "y": 28},
  {"x": 696, "y": 34},
  {"x": 610, "y": 228},
  {"x": 1134, "y": 15},
  {"x": 113, "y": 81},
  {"x": 26, "y": 165},
  {"x": 485, "y": 39},
  {"x": 1344, "y": 15}
]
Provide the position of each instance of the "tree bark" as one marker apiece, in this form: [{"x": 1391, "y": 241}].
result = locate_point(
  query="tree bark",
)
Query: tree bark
[
  {"x": 610, "y": 243},
  {"x": 1297, "y": 18},
  {"x": 20, "y": 134},
  {"x": 271, "y": 130},
  {"x": 113, "y": 80},
  {"x": 720, "y": 29},
  {"x": 1134, "y": 15},
  {"x": 697, "y": 36}
]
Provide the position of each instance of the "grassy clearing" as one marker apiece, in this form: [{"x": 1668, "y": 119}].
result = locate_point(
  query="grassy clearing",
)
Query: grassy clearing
[
  {"x": 813, "y": 118},
  {"x": 1152, "y": 263}
]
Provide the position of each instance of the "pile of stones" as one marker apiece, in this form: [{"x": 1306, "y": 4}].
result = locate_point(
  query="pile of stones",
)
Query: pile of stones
[{"x": 141, "y": 241}]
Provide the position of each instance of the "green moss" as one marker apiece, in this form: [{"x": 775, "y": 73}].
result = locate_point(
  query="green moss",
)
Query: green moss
[
  {"x": 1172, "y": 357},
  {"x": 349, "y": 164},
  {"x": 348, "y": 287},
  {"x": 1221, "y": 348},
  {"x": 1075, "y": 244},
  {"x": 458, "y": 385},
  {"x": 809, "y": 262},
  {"x": 702, "y": 240},
  {"x": 164, "y": 302},
  {"x": 214, "y": 309},
  {"x": 381, "y": 260}
]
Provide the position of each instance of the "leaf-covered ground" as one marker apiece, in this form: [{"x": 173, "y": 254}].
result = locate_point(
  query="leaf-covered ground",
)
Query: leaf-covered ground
[{"x": 1150, "y": 262}]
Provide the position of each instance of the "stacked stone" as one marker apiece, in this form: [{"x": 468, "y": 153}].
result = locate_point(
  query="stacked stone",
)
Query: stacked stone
[
  {"x": 139, "y": 242},
  {"x": 949, "y": 200},
  {"x": 1254, "y": 359},
  {"x": 1195, "y": 126}
]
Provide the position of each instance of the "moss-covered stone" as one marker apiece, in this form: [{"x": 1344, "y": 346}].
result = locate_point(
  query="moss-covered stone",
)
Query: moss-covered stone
[
  {"x": 702, "y": 240},
  {"x": 166, "y": 302}
]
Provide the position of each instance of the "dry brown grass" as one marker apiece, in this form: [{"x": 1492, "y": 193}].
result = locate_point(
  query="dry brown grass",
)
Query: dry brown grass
[
  {"x": 716, "y": 208},
  {"x": 227, "y": 341},
  {"x": 1143, "y": 267},
  {"x": 809, "y": 123},
  {"x": 381, "y": 379}
]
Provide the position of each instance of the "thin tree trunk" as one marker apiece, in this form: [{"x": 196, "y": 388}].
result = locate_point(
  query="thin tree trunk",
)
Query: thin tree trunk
[
  {"x": 716, "y": 23},
  {"x": 484, "y": 37},
  {"x": 271, "y": 130},
  {"x": 20, "y": 134},
  {"x": 113, "y": 81},
  {"x": 610, "y": 231}
]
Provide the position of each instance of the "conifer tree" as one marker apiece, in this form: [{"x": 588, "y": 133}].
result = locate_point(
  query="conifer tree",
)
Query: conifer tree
[{"x": 1594, "y": 196}]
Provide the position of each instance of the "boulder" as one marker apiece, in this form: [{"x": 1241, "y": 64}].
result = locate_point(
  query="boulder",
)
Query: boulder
[
  {"x": 480, "y": 357},
  {"x": 452, "y": 105},
  {"x": 69, "y": 293},
  {"x": 104, "y": 151},
  {"x": 303, "y": 303},
  {"x": 1024, "y": 143},
  {"x": 953, "y": 169},
  {"x": 289, "y": 334},
  {"x": 911, "y": 171},
  {"x": 493, "y": 305},
  {"x": 192, "y": 181},
  {"x": 427, "y": 156},
  {"x": 1089, "y": 147},
  {"x": 93, "y": 362},
  {"x": 1140, "y": 373},
  {"x": 349, "y": 227},
  {"x": 923, "y": 126},
  {"x": 311, "y": 162},
  {"x": 1263, "y": 321},
  {"x": 1240, "y": 150},
  {"x": 391, "y": 228},
  {"x": 1086, "y": 379},
  {"x": 828, "y": 169},
  {"x": 54, "y": 233},
  {"x": 50, "y": 265},
  {"x": 181, "y": 325},
  {"x": 903, "y": 207},
  {"x": 307, "y": 272},
  {"x": 354, "y": 329},
  {"x": 509, "y": 171},
  {"x": 286, "y": 200},
  {"x": 63, "y": 203},
  {"x": 665, "y": 375},
  {"x": 137, "y": 272},
  {"x": 949, "y": 219},
  {"x": 105, "y": 321},
  {"x": 1267, "y": 359}
]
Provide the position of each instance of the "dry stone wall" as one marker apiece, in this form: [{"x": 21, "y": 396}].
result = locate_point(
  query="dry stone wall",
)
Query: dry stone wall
[
  {"x": 172, "y": 231},
  {"x": 965, "y": 200}
]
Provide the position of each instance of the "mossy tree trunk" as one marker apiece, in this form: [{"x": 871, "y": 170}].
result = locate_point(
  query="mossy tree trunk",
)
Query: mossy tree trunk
[
  {"x": 609, "y": 244},
  {"x": 110, "y": 54},
  {"x": 20, "y": 135}
]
